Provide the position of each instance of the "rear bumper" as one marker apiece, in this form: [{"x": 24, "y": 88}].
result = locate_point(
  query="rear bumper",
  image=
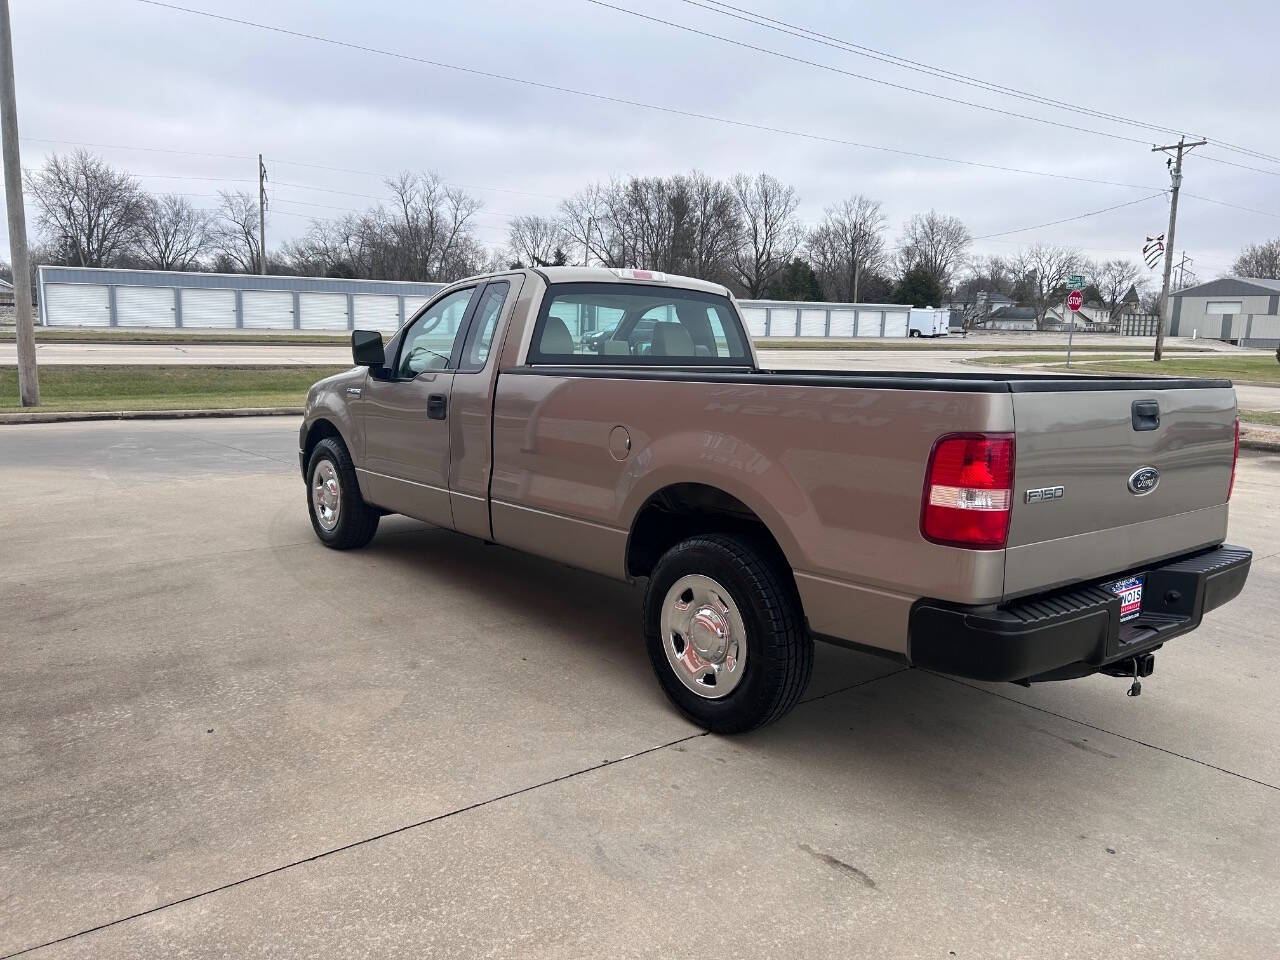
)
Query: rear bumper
[{"x": 1076, "y": 631}]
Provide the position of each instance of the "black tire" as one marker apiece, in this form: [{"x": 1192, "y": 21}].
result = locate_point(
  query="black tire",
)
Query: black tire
[
  {"x": 779, "y": 658},
  {"x": 357, "y": 522},
  {"x": 914, "y": 333}
]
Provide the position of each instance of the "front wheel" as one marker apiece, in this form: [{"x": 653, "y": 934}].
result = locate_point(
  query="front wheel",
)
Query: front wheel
[
  {"x": 725, "y": 634},
  {"x": 339, "y": 515}
]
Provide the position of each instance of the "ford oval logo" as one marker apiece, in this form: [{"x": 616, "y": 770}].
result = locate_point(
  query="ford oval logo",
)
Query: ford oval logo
[{"x": 1143, "y": 480}]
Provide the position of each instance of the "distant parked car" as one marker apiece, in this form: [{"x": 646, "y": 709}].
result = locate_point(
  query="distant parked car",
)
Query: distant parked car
[{"x": 638, "y": 341}]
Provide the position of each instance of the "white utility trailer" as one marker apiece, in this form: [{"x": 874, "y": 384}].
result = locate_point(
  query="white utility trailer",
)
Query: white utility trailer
[{"x": 929, "y": 322}]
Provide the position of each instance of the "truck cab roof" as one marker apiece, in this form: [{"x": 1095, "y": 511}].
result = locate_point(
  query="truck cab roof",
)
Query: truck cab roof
[{"x": 628, "y": 275}]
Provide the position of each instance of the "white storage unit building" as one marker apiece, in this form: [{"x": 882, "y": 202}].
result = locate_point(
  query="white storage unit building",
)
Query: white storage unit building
[
  {"x": 786, "y": 318},
  {"x": 90, "y": 297}
]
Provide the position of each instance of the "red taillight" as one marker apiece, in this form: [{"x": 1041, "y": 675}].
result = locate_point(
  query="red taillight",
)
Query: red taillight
[
  {"x": 1235, "y": 458},
  {"x": 968, "y": 491}
]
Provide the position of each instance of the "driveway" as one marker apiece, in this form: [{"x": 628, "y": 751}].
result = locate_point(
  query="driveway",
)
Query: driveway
[{"x": 219, "y": 739}]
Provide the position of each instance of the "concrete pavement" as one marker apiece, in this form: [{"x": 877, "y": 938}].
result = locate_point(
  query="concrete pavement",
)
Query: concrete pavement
[{"x": 221, "y": 739}]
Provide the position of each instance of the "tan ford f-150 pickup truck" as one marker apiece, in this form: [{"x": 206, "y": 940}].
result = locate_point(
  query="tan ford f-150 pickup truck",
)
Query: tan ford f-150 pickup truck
[{"x": 992, "y": 526}]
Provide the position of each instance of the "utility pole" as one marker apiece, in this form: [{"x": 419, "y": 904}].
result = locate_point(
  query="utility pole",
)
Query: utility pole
[
  {"x": 28, "y": 377},
  {"x": 1181, "y": 147},
  {"x": 1181, "y": 282},
  {"x": 262, "y": 216}
]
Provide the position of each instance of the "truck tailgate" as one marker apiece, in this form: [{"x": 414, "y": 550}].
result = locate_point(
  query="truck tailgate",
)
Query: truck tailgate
[{"x": 1076, "y": 516}]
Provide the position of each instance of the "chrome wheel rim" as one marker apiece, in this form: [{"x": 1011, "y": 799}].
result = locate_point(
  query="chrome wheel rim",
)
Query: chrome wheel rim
[
  {"x": 326, "y": 495},
  {"x": 703, "y": 636}
]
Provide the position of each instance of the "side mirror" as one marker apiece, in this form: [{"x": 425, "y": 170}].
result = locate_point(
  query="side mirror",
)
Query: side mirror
[{"x": 366, "y": 349}]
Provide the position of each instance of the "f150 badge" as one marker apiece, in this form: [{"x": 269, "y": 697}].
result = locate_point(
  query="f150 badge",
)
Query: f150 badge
[
  {"x": 1043, "y": 494},
  {"x": 1143, "y": 480}
]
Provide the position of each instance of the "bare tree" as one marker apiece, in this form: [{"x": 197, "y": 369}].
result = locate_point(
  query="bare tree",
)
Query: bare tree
[
  {"x": 172, "y": 234},
  {"x": 848, "y": 245},
  {"x": 1113, "y": 280},
  {"x": 1259, "y": 260},
  {"x": 234, "y": 236},
  {"x": 587, "y": 224},
  {"x": 535, "y": 241},
  {"x": 87, "y": 211},
  {"x": 712, "y": 229},
  {"x": 1044, "y": 270},
  {"x": 425, "y": 235},
  {"x": 936, "y": 241},
  {"x": 429, "y": 227},
  {"x": 682, "y": 224},
  {"x": 770, "y": 235}
]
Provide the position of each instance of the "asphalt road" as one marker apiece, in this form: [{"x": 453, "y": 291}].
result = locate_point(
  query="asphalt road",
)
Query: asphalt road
[{"x": 219, "y": 739}]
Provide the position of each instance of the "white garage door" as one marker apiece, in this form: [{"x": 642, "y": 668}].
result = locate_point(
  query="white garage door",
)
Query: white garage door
[
  {"x": 413, "y": 304},
  {"x": 76, "y": 305},
  {"x": 869, "y": 323},
  {"x": 782, "y": 322},
  {"x": 209, "y": 308},
  {"x": 144, "y": 307},
  {"x": 267, "y": 309},
  {"x": 843, "y": 323},
  {"x": 323, "y": 311},
  {"x": 376, "y": 312},
  {"x": 813, "y": 323},
  {"x": 753, "y": 317},
  {"x": 895, "y": 324}
]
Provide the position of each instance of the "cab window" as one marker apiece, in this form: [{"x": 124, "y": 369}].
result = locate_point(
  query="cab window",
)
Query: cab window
[
  {"x": 429, "y": 341},
  {"x": 633, "y": 324},
  {"x": 484, "y": 325}
]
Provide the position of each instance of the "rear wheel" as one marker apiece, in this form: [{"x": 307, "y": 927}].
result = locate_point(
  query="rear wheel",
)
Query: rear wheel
[
  {"x": 914, "y": 333},
  {"x": 339, "y": 515},
  {"x": 725, "y": 635}
]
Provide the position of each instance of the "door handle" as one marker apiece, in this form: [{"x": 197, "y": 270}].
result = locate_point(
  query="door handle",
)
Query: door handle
[
  {"x": 437, "y": 406},
  {"x": 1145, "y": 415}
]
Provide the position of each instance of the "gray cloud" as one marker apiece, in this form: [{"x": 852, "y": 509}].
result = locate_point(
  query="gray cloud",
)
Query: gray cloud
[{"x": 120, "y": 72}]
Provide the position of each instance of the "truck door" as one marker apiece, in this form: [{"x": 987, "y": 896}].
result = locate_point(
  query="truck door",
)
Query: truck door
[
  {"x": 406, "y": 413},
  {"x": 471, "y": 406}
]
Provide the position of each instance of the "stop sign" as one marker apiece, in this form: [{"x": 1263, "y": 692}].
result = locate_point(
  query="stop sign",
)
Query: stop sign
[{"x": 1075, "y": 300}]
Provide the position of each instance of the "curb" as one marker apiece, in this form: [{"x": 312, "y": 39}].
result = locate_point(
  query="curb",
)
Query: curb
[
  {"x": 75, "y": 416},
  {"x": 1264, "y": 444}
]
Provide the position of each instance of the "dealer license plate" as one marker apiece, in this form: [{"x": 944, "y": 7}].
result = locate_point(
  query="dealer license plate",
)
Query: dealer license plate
[{"x": 1129, "y": 590}]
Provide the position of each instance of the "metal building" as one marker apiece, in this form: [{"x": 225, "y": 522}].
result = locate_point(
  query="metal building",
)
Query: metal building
[
  {"x": 1241, "y": 310},
  {"x": 788, "y": 318},
  {"x": 92, "y": 297}
]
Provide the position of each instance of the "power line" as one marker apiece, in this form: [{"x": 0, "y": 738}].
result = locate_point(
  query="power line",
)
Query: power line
[
  {"x": 605, "y": 98},
  {"x": 814, "y": 36},
  {"x": 273, "y": 160},
  {"x": 1233, "y": 206},
  {"x": 1082, "y": 216},
  {"x": 862, "y": 76}
]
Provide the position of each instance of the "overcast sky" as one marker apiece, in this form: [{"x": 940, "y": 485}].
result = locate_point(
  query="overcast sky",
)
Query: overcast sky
[{"x": 125, "y": 73}]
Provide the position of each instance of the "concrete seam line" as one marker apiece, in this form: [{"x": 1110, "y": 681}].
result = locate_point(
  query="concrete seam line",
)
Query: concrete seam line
[
  {"x": 1085, "y": 723},
  {"x": 353, "y": 844},
  {"x": 249, "y": 453},
  {"x": 854, "y": 686}
]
